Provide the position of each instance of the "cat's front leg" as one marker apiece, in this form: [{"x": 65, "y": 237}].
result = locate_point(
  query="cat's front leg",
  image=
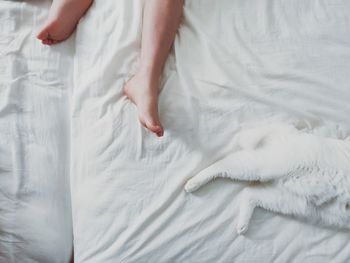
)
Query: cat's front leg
[{"x": 246, "y": 165}]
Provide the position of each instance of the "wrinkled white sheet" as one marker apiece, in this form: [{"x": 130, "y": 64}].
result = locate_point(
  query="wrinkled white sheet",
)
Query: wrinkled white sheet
[
  {"x": 234, "y": 62},
  {"x": 35, "y": 217}
]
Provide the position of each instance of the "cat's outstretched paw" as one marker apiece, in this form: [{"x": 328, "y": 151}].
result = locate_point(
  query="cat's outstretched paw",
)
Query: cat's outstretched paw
[
  {"x": 191, "y": 186},
  {"x": 200, "y": 179}
]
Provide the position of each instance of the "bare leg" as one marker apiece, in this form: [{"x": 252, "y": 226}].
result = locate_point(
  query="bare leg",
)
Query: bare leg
[
  {"x": 160, "y": 23},
  {"x": 63, "y": 17}
]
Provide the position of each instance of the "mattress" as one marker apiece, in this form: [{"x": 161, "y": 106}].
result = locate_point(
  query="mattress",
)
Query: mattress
[
  {"x": 233, "y": 62},
  {"x": 70, "y": 140},
  {"x": 35, "y": 83}
]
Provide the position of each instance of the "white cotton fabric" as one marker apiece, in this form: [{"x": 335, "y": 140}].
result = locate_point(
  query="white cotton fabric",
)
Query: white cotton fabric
[
  {"x": 234, "y": 62},
  {"x": 35, "y": 212}
]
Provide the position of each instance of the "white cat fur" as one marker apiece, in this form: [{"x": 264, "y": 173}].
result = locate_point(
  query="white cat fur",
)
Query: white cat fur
[{"x": 298, "y": 174}]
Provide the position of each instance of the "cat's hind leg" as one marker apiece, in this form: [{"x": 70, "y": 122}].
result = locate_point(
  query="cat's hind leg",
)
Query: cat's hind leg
[
  {"x": 247, "y": 204},
  {"x": 271, "y": 198}
]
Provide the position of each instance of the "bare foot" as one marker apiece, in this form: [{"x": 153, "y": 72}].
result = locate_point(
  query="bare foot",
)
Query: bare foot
[
  {"x": 63, "y": 17},
  {"x": 143, "y": 92}
]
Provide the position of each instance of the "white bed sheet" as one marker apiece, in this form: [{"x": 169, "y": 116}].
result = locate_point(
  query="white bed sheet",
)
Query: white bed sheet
[
  {"x": 233, "y": 62},
  {"x": 35, "y": 80}
]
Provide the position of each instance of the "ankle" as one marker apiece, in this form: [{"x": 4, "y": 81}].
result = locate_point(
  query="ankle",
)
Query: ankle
[{"x": 148, "y": 75}]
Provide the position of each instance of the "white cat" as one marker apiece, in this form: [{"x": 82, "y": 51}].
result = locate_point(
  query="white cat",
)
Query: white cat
[{"x": 297, "y": 174}]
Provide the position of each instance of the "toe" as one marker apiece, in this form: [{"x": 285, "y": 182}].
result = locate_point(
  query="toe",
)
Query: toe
[
  {"x": 48, "y": 42},
  {"x": 152, "y": 123},
  {"x": 44, "y": 33},
  {"x": 45, "y": 41},
  {"x": 157, "y": 129}
]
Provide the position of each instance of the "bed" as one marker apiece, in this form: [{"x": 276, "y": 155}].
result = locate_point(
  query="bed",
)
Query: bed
[
  {"x": 233, "y": 62},
  {"x": 35, "y": 83}
]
